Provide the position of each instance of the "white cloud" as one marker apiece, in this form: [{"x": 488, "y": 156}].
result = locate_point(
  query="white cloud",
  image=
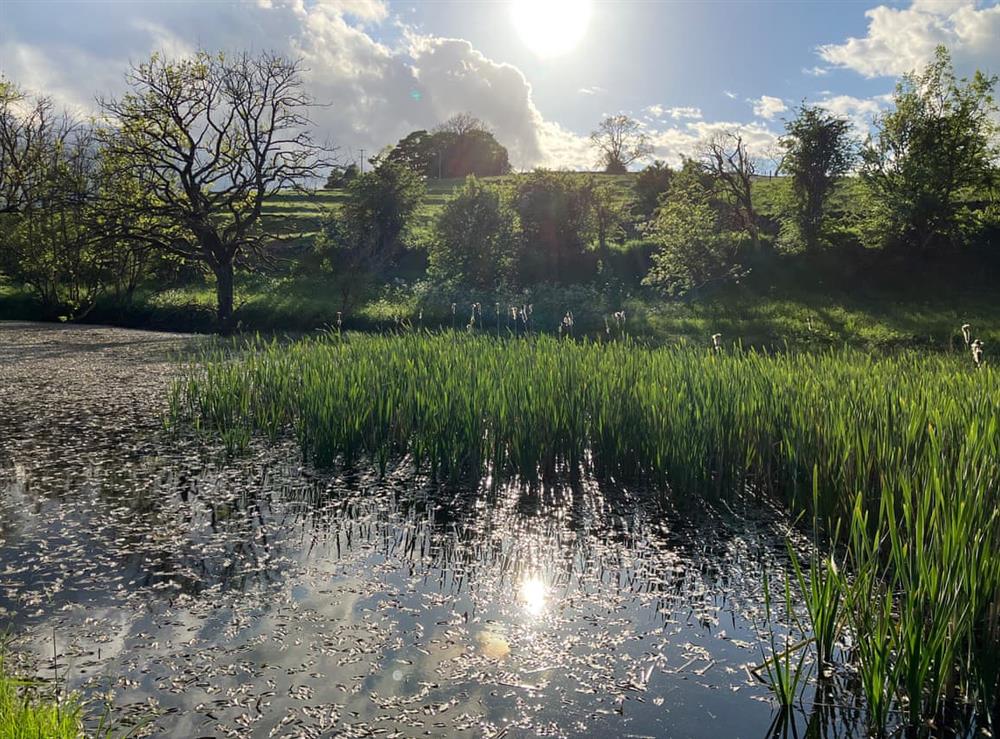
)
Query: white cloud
[
  {"x": 767, "y": 106},
  {"x": 816, "y": 71},
  {"x": 730, "y": 94},
  {"x": 902, "y": 39},
  {"x": 674, "y": 143},
  {"x": 677, "y": 113},
  {"x": 371, "y": 94},
  {"x": 861, "y": 112},
  {"x": 592, "y": 90}
]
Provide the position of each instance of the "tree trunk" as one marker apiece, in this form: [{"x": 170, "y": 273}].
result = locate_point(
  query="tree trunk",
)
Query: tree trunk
[{"x": 224, "y": 295}]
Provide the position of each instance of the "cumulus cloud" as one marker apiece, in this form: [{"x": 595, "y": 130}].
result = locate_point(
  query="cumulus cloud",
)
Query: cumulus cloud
[
  {"x": 674, "y": 143},
  {"x": 902, "y": 39},
  {"x": 371, "y": 92},
  {"x": 767, "y": 106},
  {"x": 861, "y": 112}
]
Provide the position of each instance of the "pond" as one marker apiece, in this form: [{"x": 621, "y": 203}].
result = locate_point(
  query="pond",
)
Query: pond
[{"x": 215, "y": 597}]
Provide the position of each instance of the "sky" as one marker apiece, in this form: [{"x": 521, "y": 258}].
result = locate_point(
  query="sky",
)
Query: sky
[{"x": 541, "y": 73}]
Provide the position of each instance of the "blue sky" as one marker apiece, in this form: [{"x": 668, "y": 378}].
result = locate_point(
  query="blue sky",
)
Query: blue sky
[{"x": 686, "y": 69}]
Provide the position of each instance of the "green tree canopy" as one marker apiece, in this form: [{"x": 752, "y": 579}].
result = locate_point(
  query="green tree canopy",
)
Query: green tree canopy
[
  {"x": 932, "y": 154},
  {"x": 818, "y": 149},
  {"x": 556, "y": 212},
  {"x": 475, "y": 237},
  {"x": 695, "y": 250}
]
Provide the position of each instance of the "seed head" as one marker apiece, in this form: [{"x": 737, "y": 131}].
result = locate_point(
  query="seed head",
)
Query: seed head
[
  {"x": 977, "y": 352},
  {"x": 967, "y": 333}
]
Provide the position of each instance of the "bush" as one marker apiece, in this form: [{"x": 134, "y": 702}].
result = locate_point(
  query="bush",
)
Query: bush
[{"x": 475, "y": 238}]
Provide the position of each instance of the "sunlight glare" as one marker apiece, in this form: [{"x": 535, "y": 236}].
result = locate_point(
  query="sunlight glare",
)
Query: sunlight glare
[
  {"x": 551, "y": 27},
  {"x": 533, "y": 593}
]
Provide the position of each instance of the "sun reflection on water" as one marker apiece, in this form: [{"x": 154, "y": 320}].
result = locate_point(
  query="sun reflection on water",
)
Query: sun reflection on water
[{"x": 532, "y": 595}]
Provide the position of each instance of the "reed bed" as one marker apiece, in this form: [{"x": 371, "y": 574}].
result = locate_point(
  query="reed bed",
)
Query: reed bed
[{"x": 894, "y": 459}]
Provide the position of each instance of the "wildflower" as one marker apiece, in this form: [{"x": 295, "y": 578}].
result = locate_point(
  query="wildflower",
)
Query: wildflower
[
  {"x": 717, "y": 342},
  {"x": 607, "y": 328},
  {"x": 967, "y": 333},
  {"x": 567, "y": 323},
  {"x": 977, "y": 352},
  {"x": 453, "y": 306}
]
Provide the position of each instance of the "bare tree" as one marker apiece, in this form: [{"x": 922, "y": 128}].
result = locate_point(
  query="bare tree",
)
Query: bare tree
[
  {"x": 725, "y": 157},
  {"x": 209, "y": 139},
  {"x": 620, "y": 141},
  {"x": 462, "y": 124}
]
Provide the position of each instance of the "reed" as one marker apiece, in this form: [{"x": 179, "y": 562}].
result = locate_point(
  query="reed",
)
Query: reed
[
  {"x": 28, "y": 713},
  {"x": 894, "y": 457}
]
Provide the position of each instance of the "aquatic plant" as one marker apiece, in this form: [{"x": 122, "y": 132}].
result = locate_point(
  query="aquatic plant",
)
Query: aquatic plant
[
  {"x": 895, "y": 458},
  {"x": 26, "y": 712}
]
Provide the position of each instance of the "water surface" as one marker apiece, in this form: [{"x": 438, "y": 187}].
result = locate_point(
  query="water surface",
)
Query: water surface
[{"x": 256, "y": 597}]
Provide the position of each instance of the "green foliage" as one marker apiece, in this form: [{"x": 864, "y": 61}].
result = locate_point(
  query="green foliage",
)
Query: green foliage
[
  {"x": 818, "y": 150},
  {"x": 26, "y": 712},
  {"x": 476, "y": 240},
  {"x": 650, "y": 185},
  {"x": 556, "y": 213},
  {"x": 341, "y": 176},
  {"x": 448, "y": 153},
  {"x": 933, "y": 153},
  {"x": 370, "y": 229},
  {"x": 694, "y": 250}
]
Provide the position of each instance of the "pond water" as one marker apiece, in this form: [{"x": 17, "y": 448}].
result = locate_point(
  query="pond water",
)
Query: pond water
[{"x": 255, "y": 597}]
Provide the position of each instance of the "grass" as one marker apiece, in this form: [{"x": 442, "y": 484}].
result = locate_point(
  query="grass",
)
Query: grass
[
  {"x": 894, "y": 457},
  {"x": 27, "y": 713}
]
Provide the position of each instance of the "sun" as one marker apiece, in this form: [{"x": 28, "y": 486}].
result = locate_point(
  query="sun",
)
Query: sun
[{"x": 551, "y": 27}]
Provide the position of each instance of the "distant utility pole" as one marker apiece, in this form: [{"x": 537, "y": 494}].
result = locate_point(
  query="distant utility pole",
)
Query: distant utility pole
[{"x": 362, "y": 161}]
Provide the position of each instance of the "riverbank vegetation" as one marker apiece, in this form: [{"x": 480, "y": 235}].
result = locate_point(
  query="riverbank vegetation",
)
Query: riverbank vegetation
[
  {"x": 28, "y": 713},
  {"x": 892, "y": 459}
]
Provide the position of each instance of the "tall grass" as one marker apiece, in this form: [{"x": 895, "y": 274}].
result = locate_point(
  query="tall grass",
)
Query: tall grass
[
  {"x": 899, "y": 454},
  {"x": 27, "y": 714}
]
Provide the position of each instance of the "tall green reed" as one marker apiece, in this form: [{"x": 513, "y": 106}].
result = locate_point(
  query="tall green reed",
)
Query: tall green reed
[{"x": 894, "y": 457}]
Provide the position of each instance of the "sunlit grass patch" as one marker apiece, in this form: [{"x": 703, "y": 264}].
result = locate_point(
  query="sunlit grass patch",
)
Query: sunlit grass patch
[{"x": 26, "y": 712}]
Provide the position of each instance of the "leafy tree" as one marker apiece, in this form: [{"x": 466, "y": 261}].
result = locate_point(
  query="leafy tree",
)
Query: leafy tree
[
  {"x": 341, "y": 176},
  {"x": 29, "y": 130},
  {"x": 818, "y": 150},
  {"x": 934, "y": 151},
  {"x": 556, "y": 213},
  {"x": 210, "y": 139},
  {"x": 619, "y": 141},
  {"x": 650, "y": 185},
  {"x": 695, "y": 250},
  {"x": 421, "y": 151},
  {"x": 610, "y": 213},
  {"x": 372, "y": 226},
  {"x": 457, "y": 150},
  {"x": 51, "y": 244},
  {"x": 475, "y": 237}
]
